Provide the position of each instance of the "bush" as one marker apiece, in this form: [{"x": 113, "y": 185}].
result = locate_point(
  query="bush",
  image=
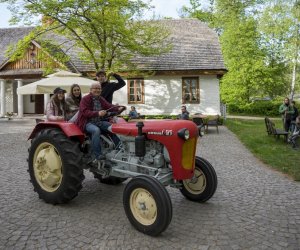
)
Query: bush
[
  {"x": 260, "y": 108},
  {"x": 174, "y": 117}
]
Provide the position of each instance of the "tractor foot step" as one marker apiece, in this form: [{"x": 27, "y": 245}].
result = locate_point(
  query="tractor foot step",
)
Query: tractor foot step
[{"x": 99, "y": 167}]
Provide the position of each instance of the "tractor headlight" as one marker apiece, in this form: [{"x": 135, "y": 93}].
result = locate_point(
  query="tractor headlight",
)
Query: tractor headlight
[{"x": 184, "y": 133}]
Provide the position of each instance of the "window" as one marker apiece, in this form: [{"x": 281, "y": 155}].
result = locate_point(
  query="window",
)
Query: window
[
  {"x": 135, "y": 90},
  {"x": 190, "y": 90}
]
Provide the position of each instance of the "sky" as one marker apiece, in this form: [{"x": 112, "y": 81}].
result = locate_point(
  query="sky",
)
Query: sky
[{"x": 164, "y": 8}]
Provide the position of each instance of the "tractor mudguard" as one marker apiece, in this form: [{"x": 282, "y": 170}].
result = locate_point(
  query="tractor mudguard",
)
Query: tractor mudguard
[{"x": 69, "y": 129}]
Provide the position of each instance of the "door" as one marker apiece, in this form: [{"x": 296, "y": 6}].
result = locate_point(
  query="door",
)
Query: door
[{"x": 39, "y": 104}]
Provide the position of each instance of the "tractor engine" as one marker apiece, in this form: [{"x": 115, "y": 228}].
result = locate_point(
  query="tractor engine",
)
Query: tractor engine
[{"x": 154, "y": 158}]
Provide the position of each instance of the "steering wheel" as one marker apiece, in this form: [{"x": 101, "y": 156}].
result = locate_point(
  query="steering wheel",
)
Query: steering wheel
[{"x": 115, "y": 113}]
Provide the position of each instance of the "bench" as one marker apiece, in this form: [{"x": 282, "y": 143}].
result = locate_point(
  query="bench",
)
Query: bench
[
  {"x": 272, "y": 130},
  {"x": 212, "y": 122}
]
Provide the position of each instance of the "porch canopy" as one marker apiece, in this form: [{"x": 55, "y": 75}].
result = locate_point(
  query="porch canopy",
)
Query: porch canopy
[{"x": 63, "y": 79}]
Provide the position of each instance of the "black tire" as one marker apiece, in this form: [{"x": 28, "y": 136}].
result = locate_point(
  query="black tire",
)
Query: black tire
[
  {"x": 156, "y": 214},
  {"x": 203, "y": 187},
  {"x": 54, "y": 166},
  {"x": 111, "y": 180}
]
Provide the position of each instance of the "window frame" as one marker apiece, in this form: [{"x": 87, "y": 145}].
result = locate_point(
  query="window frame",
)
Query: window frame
[
  {"x": 142, "y": 101},
  {"x": 197, "y": 101}
]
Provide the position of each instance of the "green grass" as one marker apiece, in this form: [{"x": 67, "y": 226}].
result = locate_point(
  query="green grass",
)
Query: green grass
[{"x": 276, "y": 153}]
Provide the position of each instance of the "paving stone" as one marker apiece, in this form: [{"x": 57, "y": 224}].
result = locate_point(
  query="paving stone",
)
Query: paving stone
[{"x": 254, "y": 206}]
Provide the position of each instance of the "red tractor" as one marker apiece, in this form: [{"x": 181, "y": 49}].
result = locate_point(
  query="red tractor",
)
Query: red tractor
[{"x": 154, "y": 154}]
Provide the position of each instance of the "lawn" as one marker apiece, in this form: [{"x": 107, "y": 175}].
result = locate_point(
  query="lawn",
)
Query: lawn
[{"x": 275, "y": 153}]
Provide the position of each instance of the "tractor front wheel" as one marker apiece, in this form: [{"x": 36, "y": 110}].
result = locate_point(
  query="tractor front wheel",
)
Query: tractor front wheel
[
  {"x": 147, "y": 205},
  {"x": 54, "y": 166},
  {"x": 202, "y": 186}
]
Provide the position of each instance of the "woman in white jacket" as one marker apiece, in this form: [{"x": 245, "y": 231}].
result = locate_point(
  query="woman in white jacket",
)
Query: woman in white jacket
[{"x": 56, "y": 107}]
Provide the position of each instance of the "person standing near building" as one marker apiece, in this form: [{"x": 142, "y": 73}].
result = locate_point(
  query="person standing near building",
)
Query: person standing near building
[
  {"x": 286, "y": 110},
  {"x": 108, "y": 88}
]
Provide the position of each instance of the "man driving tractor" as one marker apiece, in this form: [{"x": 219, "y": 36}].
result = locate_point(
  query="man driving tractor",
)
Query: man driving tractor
[{"x": 91, "y": 119}]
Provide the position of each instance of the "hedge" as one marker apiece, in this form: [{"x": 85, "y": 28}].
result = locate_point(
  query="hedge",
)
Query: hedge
[
  {"x": 260, "y": 108},
  {"x": 173, "y": 117}
]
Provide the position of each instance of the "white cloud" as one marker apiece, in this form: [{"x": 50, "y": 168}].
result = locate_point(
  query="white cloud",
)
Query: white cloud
[
  {"x": 4, "y": 15},
  {"x": 169, "y": 8}
]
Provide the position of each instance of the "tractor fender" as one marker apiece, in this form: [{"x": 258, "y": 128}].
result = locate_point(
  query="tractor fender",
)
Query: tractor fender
[{"x": 69, "y": 129}]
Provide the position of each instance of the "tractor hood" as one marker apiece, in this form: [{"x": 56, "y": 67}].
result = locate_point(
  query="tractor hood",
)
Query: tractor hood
[{"x": 154, "y": 128}]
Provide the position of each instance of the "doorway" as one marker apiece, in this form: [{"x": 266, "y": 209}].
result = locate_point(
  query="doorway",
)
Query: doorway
[{"x": 39, "y": 104}]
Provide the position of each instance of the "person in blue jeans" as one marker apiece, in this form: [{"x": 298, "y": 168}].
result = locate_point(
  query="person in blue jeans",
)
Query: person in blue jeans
[{"x": 91, "y": 119}]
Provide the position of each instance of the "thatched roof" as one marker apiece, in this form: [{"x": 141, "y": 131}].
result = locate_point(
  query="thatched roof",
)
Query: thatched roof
[
  {"x": 195, "y": 47},
  {"x": 10, "y": 36}
]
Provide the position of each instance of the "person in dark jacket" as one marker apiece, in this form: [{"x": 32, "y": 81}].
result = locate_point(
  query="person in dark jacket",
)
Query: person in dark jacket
[
  {"x": 294, "y": 116},
  {"x": 184, "y": 114},
  {"x": 287, "y": 111},
  {"x": 92, "y": 110},
  {"x": 108, "y": 88}
]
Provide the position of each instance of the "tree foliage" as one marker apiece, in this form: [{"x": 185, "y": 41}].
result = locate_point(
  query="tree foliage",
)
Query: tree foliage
[
  {"x": 108, "y": 32},
  {"x": 260, "y": 45},
  {"x": 200, "y": 11}
]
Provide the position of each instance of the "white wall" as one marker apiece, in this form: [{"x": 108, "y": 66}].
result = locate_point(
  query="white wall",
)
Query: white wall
[
  {"x": 163, "y": 95},
  {"x": 29, "y": 107},
  {"x": 209, "y": 95}
]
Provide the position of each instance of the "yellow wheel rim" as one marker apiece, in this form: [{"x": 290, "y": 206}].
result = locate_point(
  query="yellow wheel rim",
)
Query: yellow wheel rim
[
  {"x": 143, "y": 206},
  {"x": 197, "y": 184},
  {"x": 47, "y": 167}
]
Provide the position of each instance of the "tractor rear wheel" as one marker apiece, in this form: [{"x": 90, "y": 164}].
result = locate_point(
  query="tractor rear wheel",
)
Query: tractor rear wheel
[
  {"x": 202, "y": 186},
  {"x": 54, "y": 166},
  {"x": 147, "y": 205}
]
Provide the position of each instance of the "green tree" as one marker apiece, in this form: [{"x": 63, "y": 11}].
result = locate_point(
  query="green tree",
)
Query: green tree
[
  {"x": 279, "y": 26},
  {"x": 200, "y": 11},
  {"x": 295, "y": 41},
  {"x": 252, "y": 72},
  {"x": 109, "y": 32},
  {"x": 246, "y": 69}
]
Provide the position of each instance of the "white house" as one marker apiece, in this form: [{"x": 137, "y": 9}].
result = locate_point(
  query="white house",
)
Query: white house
[{"x": 189, "y": 74}]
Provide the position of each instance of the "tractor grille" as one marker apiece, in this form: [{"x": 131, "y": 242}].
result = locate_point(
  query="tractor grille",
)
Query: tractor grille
[{"x": 188, "y": 154}]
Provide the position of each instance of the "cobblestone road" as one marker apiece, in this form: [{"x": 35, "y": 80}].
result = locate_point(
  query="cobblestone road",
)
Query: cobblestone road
[{"x": 254, "y": 207}]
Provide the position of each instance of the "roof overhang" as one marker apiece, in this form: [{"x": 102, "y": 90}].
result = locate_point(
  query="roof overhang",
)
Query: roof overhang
[{"x": 22, "y": 73}]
